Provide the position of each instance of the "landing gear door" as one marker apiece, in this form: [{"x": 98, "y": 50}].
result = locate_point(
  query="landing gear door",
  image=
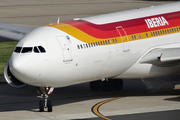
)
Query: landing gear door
[
  {"x": 124, "y": 38},
  {"x": 65, "y": 45}
]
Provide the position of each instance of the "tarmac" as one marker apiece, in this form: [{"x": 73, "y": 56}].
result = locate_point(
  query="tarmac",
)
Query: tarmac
[
  {"x": 77, "y": 102},
  {"x": 34, "y": 13}
]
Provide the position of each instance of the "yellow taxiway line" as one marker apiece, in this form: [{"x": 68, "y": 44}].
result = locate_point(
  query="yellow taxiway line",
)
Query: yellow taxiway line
[{"x": 95, "y": 108}]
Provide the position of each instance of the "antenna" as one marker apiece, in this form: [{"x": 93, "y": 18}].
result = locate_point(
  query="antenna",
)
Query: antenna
[{"x": 58, "y": 20}]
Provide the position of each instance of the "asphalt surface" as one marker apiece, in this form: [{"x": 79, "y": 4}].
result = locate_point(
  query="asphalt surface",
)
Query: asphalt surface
[
  {"x": 76, "y": 102},
  {"x": 166, "y": 115},
  {"x": 139, "y": 101},
  {"x": 36, "y": 13}
]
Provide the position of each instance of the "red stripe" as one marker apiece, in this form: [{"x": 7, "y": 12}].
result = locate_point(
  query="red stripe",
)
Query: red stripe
[{"x": 132, "y": 26}]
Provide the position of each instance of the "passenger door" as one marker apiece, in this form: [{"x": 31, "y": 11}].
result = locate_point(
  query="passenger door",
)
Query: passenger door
[
  {"x": 66, "y": 49},
  {"x": 124, "y": 38}
]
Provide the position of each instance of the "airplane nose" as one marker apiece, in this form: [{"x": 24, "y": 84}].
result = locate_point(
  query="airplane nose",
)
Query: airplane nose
[
  {"x": 22, "y": 69},
  {"x": 25, "y": 69},
  {"x": 16, "y": 66}
]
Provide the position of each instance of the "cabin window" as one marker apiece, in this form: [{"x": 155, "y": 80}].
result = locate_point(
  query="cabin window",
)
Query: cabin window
[
  {"x": 98, "y": 43},
  {"x": 162, "y": 31},
  {"x": 81, "y": 46},
  {"x": 116, "y": 40},
  {"x": 103, "y": 42},
  {"x": 84, "y": 46},
  {"x": 158, "y": 33},
  {"x": 137, "y": 36},
  {"x": 113, "y": 40},
  {"x": 78, "y": 47},
  {"x": 146, "y": 34},
  {"x": 172, "y": 30},
  {"x": 91, "y": 45},
  {"x": 167, "y": 31}
]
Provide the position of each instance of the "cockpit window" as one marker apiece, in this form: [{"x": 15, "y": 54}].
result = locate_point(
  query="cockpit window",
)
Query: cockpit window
[
  {"x": 18, "y": 49},
  {"x": 36, "y": 50},
  {"x": 27, "y": 49},
  {"x": 41, "y": 49}
]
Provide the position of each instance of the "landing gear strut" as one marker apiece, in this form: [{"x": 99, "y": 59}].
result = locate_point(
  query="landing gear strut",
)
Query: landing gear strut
[{"x": 44, "y": 102}]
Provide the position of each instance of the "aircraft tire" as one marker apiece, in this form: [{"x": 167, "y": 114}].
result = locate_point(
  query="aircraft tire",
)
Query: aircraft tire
[
  {"x": 41, "y": 106},
  {"x": 94, "y": 85},
  {"x": 49, "y": 106}
]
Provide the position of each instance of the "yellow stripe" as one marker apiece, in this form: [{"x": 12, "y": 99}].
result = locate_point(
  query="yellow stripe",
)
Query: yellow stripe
[
  {"x": 78, "y": 34},
  {"x": 95, "y": 109}
]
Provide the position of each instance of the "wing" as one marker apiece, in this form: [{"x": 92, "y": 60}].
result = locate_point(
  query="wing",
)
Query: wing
[
  {"x": 162, "y": 57},
  {"x": 13, "y": 32}
]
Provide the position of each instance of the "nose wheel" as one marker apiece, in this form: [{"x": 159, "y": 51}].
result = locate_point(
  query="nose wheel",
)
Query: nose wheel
[{"x": 44, "y": 102}]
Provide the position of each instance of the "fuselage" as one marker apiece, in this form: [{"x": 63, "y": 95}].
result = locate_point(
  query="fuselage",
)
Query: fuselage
[{"x": 98, "y": 47}]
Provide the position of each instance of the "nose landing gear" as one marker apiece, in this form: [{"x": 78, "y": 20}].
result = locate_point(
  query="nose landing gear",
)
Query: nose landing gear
[{"x": 44, "y": 102}]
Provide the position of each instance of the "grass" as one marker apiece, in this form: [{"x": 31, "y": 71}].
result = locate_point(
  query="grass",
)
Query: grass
[{"x": 6, "y": 49}]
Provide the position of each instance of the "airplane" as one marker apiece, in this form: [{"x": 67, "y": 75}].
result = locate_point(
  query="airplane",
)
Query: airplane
[{"x": 102, "y": 49}]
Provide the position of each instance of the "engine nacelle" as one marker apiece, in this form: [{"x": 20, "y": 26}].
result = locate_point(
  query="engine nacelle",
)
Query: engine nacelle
[{"x": 11, "y": 79}]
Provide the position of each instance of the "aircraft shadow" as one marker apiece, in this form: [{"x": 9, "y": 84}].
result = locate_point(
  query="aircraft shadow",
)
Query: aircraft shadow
[
  {"x": 12, "y": 99},
  {"x": 176, "y": 99}
]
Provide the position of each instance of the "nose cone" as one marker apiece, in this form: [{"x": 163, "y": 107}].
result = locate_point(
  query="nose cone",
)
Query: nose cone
[
  {"x": 27, "y": 68},
  {"x": 17, "y": 66},
  {"x": 23, "y": 68}
]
